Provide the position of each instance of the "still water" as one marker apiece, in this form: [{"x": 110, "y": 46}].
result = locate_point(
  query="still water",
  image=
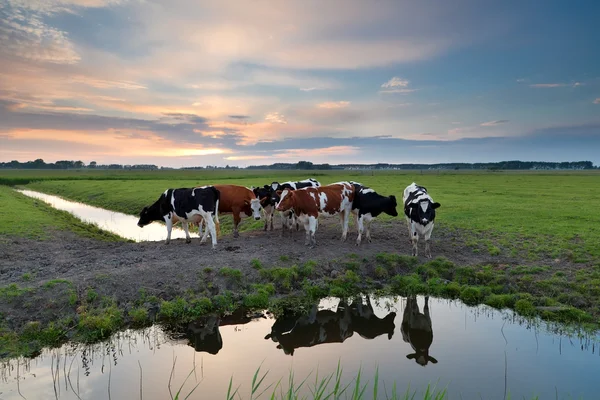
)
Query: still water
[
  {"x": 118, "y": 223},
  {"x": 474, "y": 352}
]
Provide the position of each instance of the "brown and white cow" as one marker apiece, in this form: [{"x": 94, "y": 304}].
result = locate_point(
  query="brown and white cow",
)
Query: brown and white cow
[
  {"x": 308, "y": 203},
  {"x": 237, "y": 200}
]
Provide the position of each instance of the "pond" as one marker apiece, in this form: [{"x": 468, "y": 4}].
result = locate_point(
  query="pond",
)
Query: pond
[
  {"x": 474, "y": 352},
  {"x": 118, "y": 223}
]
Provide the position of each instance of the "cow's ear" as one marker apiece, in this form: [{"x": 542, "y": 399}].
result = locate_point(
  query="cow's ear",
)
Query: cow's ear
[
  {"x": 246, "y": 202},
  {"x": 144, "y": 210},
  {"x": 435, "y": 205}
]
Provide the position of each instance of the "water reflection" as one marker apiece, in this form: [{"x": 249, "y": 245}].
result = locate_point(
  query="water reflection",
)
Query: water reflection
[
  {"x": 483, "y": 353},
  {"x": 417, "y": 330},
  {"x": 118, "y": 223}
]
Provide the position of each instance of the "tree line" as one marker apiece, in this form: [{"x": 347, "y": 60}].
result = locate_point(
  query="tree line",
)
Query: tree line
[{"x": 307, "y": 165}]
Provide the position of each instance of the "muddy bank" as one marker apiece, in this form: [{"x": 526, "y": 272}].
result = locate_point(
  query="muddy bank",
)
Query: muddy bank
[{"x": 64, "y": 277}]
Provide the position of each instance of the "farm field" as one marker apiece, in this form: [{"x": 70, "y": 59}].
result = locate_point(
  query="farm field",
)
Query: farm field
[{"x": 526, "y": 241}]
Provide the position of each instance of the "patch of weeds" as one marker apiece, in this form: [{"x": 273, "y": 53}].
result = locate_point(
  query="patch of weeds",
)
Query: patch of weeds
[
  {"x": 91, "y": 296},
  {"x": 231, "y": 273},
  {"x": 525, "y": 308},
  {"x": 26, "y": 276},
  {"x": 493, "y": 250},
  {"x": 50, "y": 284},
  {"x": 284, "y": 258},
  {"x": 256, "y": 264},
  {"x": 397, "y": 261},
  {"x": 139, "y": 316},
  {"x": 345, "y": 285},
  {"x": 527, "y": 270},
  {"x": 500, "y": 301},
  {"x": 200, "y": 306},
  {"x": 353, "y": 256},
  {"x": 380, "y": 272},
  {"x": 260, "y": 297},
  {"x": 99, "y": 324},
  {"x": 408, "y": 284},
  {"x": 173, "y": 310},
  {"x": 471, "y": 295},
  {"x": 224, "y": 302},
  {"x": 353, "y": 266},
  {"x": 102, "y": 277},
  {"x": 314, "y": 291},
  {"x": 73, "y": 298},
  {"x": 287, "y": 278},
  {"x": 13, "y": 291},
  {"x": 208, "y": 270}
]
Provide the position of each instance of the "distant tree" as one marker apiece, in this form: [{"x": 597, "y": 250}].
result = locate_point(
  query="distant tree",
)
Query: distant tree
[
  {"x": 93, "y": 164},
  {"x": 79, "y": 164}
]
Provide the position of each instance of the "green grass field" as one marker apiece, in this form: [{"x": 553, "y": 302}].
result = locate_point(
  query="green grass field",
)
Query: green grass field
[
  {"x": 530, "y": 212},
  {"x": 26, "y": 217}
]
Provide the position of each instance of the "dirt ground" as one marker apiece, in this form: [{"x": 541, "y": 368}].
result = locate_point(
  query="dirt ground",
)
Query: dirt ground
[{"x": 121, "y": 269}]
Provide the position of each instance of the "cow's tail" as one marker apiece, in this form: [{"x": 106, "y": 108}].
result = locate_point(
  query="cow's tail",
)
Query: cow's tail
[{"x": 217, "y": 224}]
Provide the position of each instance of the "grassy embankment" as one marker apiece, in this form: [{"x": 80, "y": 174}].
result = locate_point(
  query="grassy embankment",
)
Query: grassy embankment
[{"x": 534, "y": 215}]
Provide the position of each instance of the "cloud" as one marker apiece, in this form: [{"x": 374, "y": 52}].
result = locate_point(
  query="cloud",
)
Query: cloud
[
  {"x": 396, "y": 85},
  {"x": 275, "y": 118},
  {"x": 334, "y": 104},
  {"x": 554, "y": 85},
  {"x": 494, "y": 123},
  {"x": 239, "y": 117},
  {"x": 395, "y": 82},
  {"x": 106, "y": 84},
  {"x": 597, "y": 101}
]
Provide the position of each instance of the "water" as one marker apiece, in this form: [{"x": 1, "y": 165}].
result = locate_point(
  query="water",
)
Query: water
[
  {"x": 118, "y": 223},
  {"x": 480, "y": 353}
]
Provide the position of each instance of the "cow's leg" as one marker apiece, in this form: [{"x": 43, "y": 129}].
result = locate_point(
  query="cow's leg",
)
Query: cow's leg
[
  {"x": 184, "y": 224},
  {"x": 283, "y": 222},
  {"x": 210, "y": 226},
  {"x": 414, "y": 236},
  {"x": 236, "y": 222},
  {"x": 313, "y": 222},
  {"x": 369, "y": 220},
  {"x": 312, "y": 316},
  {"x": 307, "y": 229},
  {"x": 169, "y": 223},
  {"x": 346, "y": 221},
  {"x": 206, "y": 230},
  {"x": 360, "y": 226},
  {"x": 427, "y": 237},
  {"x": 272, "y": 215},
  {"x": 266, "y": 214}
]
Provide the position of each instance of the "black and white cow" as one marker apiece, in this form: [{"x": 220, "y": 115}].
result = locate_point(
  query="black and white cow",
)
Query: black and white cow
[
  {"x": 185, "y": 205},
  {"x": 367, "y": 205},
  {"x": 419, "y": 209},
  {"x": 265, "y": 195},
  {"x": 288, "y": 219},
  {"x": 417, "y": 331},
  {"x": 367, "y": 324}
]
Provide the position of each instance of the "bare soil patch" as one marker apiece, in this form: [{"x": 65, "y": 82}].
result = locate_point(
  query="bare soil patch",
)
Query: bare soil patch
[{"x": 121, "y": 269}]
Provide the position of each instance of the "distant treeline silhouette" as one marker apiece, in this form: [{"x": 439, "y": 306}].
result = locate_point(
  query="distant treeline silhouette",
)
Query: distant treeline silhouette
[{"x": 307, "y": 165}]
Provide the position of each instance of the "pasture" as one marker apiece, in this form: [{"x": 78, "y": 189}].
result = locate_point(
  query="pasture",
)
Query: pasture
[
  {"x": 520, "y": 240},
  {"x": 534, "y": 214}
]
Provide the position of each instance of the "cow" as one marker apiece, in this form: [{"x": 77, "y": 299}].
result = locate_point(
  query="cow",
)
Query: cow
[
  {"x": 367, "y": 324},
  {"x": 204, "y": 334},
  {"x": 319, "y": 327},
  {"x": 288, "y": 219},
  {"x": 367, "y": 205},
  {"x": 267, "y": 202},
  {"x": 237, "y": 200},
  {"x": 308, "y": 203},
  {"x": 185, "y": 205},
  {"x": 419, "y": 209},
  {"x": 416, "y": 329}
]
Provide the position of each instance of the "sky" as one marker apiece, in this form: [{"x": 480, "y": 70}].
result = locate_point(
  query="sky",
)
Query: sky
[{"x": 201, "y": 82}]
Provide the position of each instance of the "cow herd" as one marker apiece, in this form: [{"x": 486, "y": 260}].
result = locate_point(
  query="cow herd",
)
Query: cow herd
[
  {"x": 295, "y": 330},
  {"x": 300, "y": 202}
]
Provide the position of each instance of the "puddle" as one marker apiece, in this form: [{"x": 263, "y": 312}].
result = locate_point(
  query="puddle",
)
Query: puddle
[
  {"x": 118, "y": 223},
  {"x": 476, "y": 352}
]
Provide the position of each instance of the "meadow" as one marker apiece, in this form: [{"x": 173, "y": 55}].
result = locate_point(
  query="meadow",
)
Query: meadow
[{"x": 528, "y": 212}]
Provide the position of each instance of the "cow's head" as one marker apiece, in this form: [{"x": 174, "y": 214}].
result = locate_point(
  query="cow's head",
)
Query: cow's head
[
  {"x": 423, "y": 212},
  {"x": 145, "y": 217},
  {"x": 285, "y": 200},
  {"x": 390, "y": 208},
  {"x": 264, "y": 194},
  {"x": 255, "y": 207}
]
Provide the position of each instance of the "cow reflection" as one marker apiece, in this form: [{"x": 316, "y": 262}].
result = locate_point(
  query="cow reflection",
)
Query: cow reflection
[
  {"x": 367, "y": 324},
  {"x": 204, "y": 336},
  {"x": 416, "y": 330},
  {"x": 318, "y": 327}
]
